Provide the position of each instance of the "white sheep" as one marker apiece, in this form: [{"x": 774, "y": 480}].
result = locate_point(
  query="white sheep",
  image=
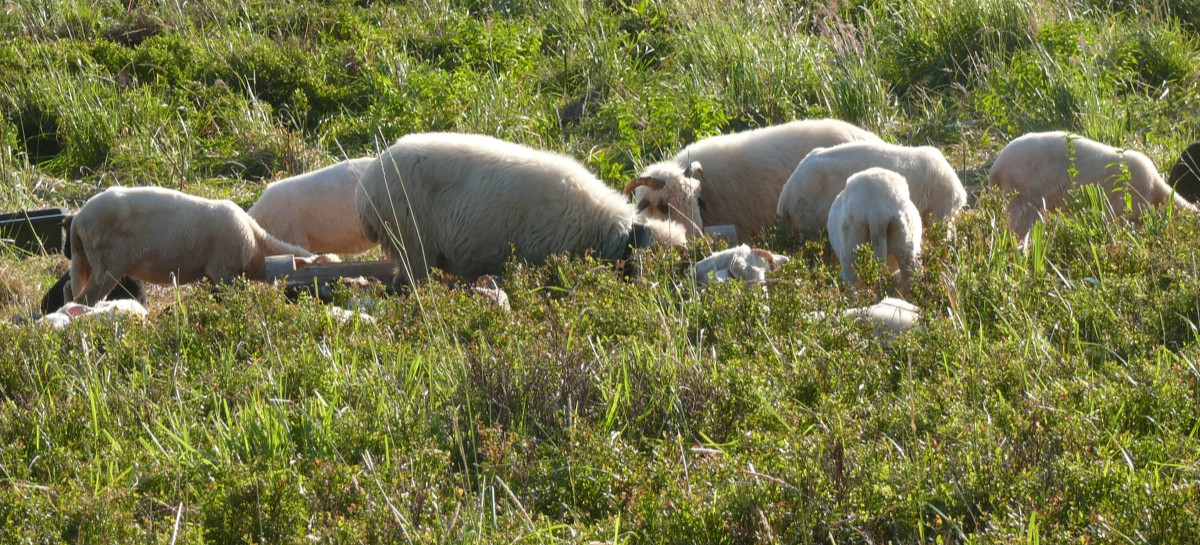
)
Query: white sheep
[
  {"x": 1037, "y": 168},
  {"x": 933, "y": 185},
  {"x": 466, "y": 203},
  {"x": 890, "y": 317},
  {"x": 316, "y": 210},
  {"x": 160, "y": 235},
  {"x": 734, "y": 178},
  {"x": 749, "y": 264},
  {"x": 875, "y": 209}
]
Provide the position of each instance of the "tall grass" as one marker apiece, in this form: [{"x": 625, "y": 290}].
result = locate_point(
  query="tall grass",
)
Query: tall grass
[{"x": 1049, "y": 394}]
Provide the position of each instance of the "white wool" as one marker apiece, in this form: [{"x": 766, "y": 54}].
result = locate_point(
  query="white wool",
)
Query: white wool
[
  {"x": 933, "y": 185},
  {"x": 1036, "y": 168},
  {"x": 163, "y": 236},
  {"x": 749, "y": 264},
  {"x": 875, "y": 209},
  {"x": 735, "y": 178},
  {"x": 466, "y": 203},
  {"x": 316, "y": 210}
]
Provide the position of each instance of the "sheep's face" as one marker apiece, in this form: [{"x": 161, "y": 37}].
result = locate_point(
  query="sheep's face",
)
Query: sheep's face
[{"x": 667, "y": 192}]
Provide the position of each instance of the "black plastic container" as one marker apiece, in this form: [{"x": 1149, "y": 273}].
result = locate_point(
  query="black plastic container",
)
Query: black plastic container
[{"x": 35, "y": 230}]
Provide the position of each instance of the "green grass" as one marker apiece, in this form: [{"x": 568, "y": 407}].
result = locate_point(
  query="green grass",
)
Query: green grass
[{"x": 1050, "y": 395}]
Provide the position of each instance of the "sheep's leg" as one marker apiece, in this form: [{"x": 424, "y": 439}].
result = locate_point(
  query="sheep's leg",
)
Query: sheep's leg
[
  {"x": 1021, "y": 217},
  {"x": 101, "y": 284},
  {"x": 854, "y": 234},
  {"x": 413, "y": 267},
  {"x": 904, "y": 241},
  {"x": 81, "y": 273}
]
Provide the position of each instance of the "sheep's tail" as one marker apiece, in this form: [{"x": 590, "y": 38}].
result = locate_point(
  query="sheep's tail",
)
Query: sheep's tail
[{"x": 273, "y": 246}]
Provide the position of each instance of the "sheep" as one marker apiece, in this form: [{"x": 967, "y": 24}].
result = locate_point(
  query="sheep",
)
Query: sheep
[
  {"x": 465, "y": 203},
  {"x": 315, "y": 210},
  {"x": 890, "y": 317},
  {"x": 127, "y": 288},
  {"x": 749, "y": 264},
  {"x": 1185, "y": 175},
  {"x": 933, "y": 185},
  {"x": 162, "y": 236},
  {"x": 1037, "y": 168},
  {"x": 734, "y": 178},
  {"x": 875, "y": 209},
  {"x": 69, "y": 312}
]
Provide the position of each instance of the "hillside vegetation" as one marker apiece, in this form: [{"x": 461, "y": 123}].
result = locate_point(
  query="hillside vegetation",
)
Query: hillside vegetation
[{"x": 1049, "y": 395}]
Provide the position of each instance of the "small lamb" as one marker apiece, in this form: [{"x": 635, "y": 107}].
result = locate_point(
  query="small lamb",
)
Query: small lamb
[
  {"x": 749, "y": 264},
  {"x": 875, "y": 209}
]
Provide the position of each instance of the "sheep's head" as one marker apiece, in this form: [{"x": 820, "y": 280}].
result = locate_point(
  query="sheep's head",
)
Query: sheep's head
[
  {"x": 667, "y": 233},
  {"x": 665, "y": 191}
]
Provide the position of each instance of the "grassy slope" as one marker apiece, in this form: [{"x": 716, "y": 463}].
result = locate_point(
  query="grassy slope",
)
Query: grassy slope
[{"x": 1054, "y": 395}]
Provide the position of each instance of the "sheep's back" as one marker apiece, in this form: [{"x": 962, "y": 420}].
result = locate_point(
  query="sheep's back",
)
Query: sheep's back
[
  {"x": 745, "y": 172},
  {"x": 473, "y": 199}
]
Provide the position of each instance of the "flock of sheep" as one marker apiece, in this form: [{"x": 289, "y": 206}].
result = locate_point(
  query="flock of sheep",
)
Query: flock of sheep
[{"x": 465, "y": 204}]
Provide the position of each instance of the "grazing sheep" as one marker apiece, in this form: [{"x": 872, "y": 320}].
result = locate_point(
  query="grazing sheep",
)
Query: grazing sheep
[
  {"x": 315, "y": 210},
  {"x": 933, "y": 185},
  {"x": 54, "y": 299},
  {"x": 875, "y": 209},
  {"x": 749, "y": 264},
  {"x": 734, "y": 178},
  {"x": 466, "y": 203},
  {"x": 1185, "y": 175},
  {"x": 159, "y": 235},
  {"x": 1037, "y": 168}
]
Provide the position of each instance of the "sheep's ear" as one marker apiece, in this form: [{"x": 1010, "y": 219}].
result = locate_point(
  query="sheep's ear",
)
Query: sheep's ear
[
  {"x": 694, "y": 171},
  {"x": 652, "y": 183}
]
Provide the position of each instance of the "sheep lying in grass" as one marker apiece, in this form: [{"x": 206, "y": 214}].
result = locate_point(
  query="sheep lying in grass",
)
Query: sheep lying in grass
[
  {"x": 316, "y": 210},
  {"x": 933, "y": 185},
  {"x": 1037, "y": 168},
  {"x": 890, "y": 317},
  {"x": 749, "y": 264},
  {"x": 875, "y": 209},
  {"x": 466, "y": 203},
  {"x": 1185, "y": 175},
  {"x": 69, "y": 312},
  {"x": 162, "y": 236},
  {"x": 734, "y": 178}
]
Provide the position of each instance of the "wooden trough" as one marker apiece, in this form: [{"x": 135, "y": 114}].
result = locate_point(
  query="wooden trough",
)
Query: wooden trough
[
  {"x": 35, "y": 230},
  {"x": 282, "y": 270}
]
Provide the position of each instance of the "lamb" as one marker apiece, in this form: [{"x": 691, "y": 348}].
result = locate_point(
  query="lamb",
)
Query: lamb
[
  {"x": 1037, "y": 168},
  {"x": 933, "y": 185},
  {"x": 466, "y": 203},
  {"x": 749, "y": 264},
  {"x": 1185, "y": 175},
  {"x": 891, "y": 317},
  {"x": 160, "y": 235},
  {"x": 316, "y": 210},
  {"x": 734, "y": 178},
  {"x": 875, "y": 208}
]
